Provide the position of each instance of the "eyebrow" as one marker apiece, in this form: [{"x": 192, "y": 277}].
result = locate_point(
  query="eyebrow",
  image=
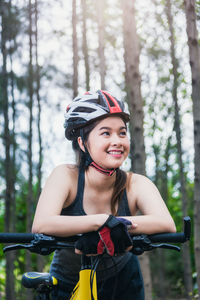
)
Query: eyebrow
[{"x": 109, "y": 128}]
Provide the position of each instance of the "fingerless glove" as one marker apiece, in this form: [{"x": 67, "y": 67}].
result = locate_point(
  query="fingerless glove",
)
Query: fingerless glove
[{"x": 112, "y": 237}]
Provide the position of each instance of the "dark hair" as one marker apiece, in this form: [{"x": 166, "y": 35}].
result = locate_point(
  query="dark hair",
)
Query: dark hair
[{"x": 121, "y": 177}]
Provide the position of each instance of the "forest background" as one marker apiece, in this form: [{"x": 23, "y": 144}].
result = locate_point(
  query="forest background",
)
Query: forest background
[{"x": 144, "y": 52}]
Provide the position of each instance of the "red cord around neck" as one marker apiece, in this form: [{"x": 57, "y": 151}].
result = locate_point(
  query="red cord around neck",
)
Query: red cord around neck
[{"x": 108, "y": 172}]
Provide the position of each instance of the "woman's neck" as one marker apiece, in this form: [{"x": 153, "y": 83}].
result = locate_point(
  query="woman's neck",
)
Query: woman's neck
[
  {"x": 99, "y": 181},
  {"x": 107, "y": 172}
]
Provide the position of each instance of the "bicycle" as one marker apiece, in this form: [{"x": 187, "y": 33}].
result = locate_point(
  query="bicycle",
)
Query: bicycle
[{"x": 86, "y": 288}]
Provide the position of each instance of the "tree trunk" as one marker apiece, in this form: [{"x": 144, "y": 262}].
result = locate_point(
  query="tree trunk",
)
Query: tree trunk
[
  {"x": 194, "y": 54},
  {"x": 12, "y": 256},
  {"x": 85, "y": 46},
  {"x": 75, "y": 51},
  {"x": 40, "y": 258},
  {"x": 30, "y": 136},
  {"x": 39, "y": 167},
  {"x": 100, "y": 6},
  {"x": 133, "y": 86},
  {"x": 135, "y": 103},
  {"x": 8, "y": 166},
  {"x": 186, "y": 250},
  {"x": 159, "y": 257},
  {"x": 13, "y": 140},
  {"x": 29, "y": 209}
]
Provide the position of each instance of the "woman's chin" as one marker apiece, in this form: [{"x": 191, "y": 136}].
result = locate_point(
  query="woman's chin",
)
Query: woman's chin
[{"x": 112, "y": 166}]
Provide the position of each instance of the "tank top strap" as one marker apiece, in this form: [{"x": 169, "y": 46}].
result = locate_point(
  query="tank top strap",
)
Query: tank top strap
[
  {"x": 76, "y": 207},
  {"x": 81, "y": 184},
  {"x": 123, "y": 209}
]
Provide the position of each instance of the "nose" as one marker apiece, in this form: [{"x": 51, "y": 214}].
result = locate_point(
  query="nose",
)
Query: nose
[{"x": 116, "y": 141}]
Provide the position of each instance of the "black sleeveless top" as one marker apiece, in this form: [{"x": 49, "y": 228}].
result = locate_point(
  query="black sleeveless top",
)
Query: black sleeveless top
[
  {"x": 76, "y": 208},
  {"x": 66, "y": 264}
]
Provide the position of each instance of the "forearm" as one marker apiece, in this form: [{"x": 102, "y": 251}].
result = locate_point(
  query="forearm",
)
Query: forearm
[
  {"x": 68, "y": 225},
  {"x": 149, "y": 224}
]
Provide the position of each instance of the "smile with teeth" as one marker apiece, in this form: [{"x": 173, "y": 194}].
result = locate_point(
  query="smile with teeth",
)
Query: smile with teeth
[{"x": 115, "y": 152}]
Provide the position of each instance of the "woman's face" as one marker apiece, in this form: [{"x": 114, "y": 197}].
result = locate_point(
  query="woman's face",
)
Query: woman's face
[{"x": 108, "y": 143}]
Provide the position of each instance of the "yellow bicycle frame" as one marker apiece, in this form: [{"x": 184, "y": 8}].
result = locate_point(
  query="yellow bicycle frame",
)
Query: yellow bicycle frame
[{"x": 82, "y": 290}]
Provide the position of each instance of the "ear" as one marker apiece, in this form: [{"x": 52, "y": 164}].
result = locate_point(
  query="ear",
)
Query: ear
[{"x": 80, "y": 143}]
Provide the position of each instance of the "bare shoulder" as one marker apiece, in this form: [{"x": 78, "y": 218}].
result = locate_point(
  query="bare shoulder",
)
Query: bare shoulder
[
  {"x": 70, "y": 171},
  {"x": 139, "y": 190},
  {"x": 137, "y": 181},
  {"x": 146, "y": 196},
  {"x": 60, "y": 185},
  {"x": 62, "y": 179}
]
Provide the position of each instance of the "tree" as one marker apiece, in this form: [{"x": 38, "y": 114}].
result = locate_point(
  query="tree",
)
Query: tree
[
  {"x": 194, "y": 57},
  {"x": 9, "y": 168},
  {"x": 40, "y": 259},
  {"x": 85, "y": 46},
  {"x": 135, "y": 103},
  {"x": 30, "y": 197},
  {"x": 37, "y": 78},
  {"x": 177, "y": 128},
  {"x": 100, "y": 8},
  {"x": 75, "y": 50},
  {"x": 159, "y": 259}
]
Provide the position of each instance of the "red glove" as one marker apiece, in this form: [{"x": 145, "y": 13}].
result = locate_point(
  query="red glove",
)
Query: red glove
[
  {"x": 105, "y": 242},
  {"x": 114, "y": 236}
]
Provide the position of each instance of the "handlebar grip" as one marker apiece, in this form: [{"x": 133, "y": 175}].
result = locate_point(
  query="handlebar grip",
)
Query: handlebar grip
[
  {"x": 16, "y": 237},
  {"x": 179, "y": 237},
  {"x": 187, "y": 227},
  {"x": 69, "y": 239},
  {"x": 167, "y": 238}
]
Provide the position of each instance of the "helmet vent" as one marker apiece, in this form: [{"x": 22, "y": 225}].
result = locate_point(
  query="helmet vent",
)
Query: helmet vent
[
  {"x": 74, "y": 120},
  {"x": 84, "y": 109},
  {"x": 97, "y": 101},
  {"x": 74, "y": 114},
  {"x": 112, "y": 104}
]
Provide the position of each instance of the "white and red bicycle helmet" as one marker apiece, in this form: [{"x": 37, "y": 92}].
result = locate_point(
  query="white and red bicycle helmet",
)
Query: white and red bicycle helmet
[{"x": 91, "y": 107}]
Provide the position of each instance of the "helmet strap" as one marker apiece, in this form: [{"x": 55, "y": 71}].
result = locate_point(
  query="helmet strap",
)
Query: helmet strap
[
  {"x": 88, "y": 158},
  {"x": 108, "y": 172}
]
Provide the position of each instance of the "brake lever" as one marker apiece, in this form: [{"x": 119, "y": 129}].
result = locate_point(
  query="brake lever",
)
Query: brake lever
[
  {"x": 13, "y": 247},
  {"x": 41, "y": 244},
  {"x": 141, "y": 243},
  {"x": 31, "y": 248},
  {"x": 165, "y": 246}
]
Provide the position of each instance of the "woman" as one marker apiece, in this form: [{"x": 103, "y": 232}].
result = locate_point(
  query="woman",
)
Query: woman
[{"x": 99, "y": 200}]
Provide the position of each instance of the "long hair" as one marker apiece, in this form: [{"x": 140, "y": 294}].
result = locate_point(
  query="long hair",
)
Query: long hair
[{"x": 121, "y": 177}]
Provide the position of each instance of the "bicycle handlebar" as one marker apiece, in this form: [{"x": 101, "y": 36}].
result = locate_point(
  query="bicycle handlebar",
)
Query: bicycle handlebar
[
  {"x": 16, "y": 237},
  {"x": 44, "y": 244},
  {"x": 179, "y": 237}
]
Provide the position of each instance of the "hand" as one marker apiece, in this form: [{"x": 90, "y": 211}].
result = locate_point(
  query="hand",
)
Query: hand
[
  {"x": 130, "y": 227},
  {"x": 112, "y": 237},
  {"x": 87, "y": 243}
]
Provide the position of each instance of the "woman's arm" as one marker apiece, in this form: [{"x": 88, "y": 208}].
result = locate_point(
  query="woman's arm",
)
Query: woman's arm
[
  {"x": 145, "y": 197},
  {"x": 56, "y": 193}
]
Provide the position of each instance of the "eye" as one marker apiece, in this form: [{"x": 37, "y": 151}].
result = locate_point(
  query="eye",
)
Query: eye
[
  {"x": 123, "y": 133},
  {"x": 106, "y": 133}
]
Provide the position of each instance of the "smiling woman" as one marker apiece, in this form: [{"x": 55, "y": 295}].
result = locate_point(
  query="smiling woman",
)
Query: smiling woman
[{"x": 89, "y": 197}]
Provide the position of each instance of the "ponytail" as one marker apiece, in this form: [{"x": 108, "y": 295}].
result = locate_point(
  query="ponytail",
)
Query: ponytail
[{"x": 119, "y": 188}]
